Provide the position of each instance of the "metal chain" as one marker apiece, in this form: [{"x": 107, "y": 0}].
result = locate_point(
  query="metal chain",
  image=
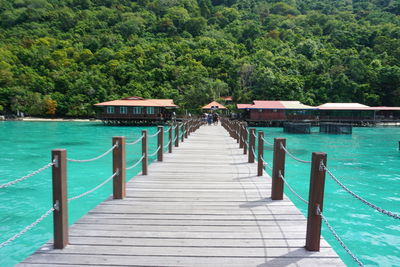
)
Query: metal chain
[
  {"x": 95, "y": 188},
  {"x": 266, "y": 164},
  {"x": 338, "y": 238},
  {"x": 27, "y": 176},
  {"x": 137, "y": 163},
  {"x": 135, "y": 142},
  {"x": 293, "y": 157},
  {"x": 153, "y": 154},
  {"x": 96, "y": 158},
  {"x": 152, "y": 135},
  {"x": 26, "y": 229},
  {"x": 291, "y": 189},
  {"x": 386, "y": 212}
]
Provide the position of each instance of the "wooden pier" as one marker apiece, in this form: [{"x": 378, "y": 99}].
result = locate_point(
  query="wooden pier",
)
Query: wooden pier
[{"x": 204, "y": 205}]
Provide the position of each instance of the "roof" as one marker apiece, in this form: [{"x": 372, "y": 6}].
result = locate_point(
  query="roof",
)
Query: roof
[
  {"x": 139, "y": 102},
  {"x": 385, "y": 108},
  {"x": 214, "y": 104},
  {"x": 343, "y": 106},
  {"x": 243, "y": 106},
  {"x": 267, "y": 104},
  {"x": 227, "y": 98}
]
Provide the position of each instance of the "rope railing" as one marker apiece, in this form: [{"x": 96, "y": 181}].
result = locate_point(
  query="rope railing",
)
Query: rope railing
[
  {"x": 26, "y": 229},
  {"x": 265, "y": 141},
  {"x": 137, "y": 163},
  {"x": 95, "y": 188},
  {"x": 166, "y": 130},
  {"x": 167, "y": 145},
  {"x": 155, "y": 152},
  {"x": 354, "y": 257},
  {"x": 381, "y": 210},
  {"x": 291, "y": 189},
  {"x": 96, "y": 158},
  {"x": 293, "y": 157},
  {"x": 153, "y": 135},
  {"x": 27, "y": 176},
  {"x": 266, "y": 164},
  {"x": 135, "y": 142}
]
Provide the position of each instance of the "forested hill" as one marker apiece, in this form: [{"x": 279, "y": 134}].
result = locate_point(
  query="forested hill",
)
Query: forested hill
[{"x": 74, "y": 53}]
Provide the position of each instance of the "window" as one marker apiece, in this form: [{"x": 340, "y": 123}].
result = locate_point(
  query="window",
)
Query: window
[
  {"x": 150, "y": 110},
  {"x": 110, "y": 110},
  {"x": 137, "y": 110},
  {"x": 123, "y": 110}
]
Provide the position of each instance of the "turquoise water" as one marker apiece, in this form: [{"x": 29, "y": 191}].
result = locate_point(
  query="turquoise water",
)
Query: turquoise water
[
  {"x": 25, "y": 147},
  {"x": 367, "y": 162}
]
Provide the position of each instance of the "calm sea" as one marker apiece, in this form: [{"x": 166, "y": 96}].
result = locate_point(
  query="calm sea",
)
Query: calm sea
[{"x": 366, "y": 161}]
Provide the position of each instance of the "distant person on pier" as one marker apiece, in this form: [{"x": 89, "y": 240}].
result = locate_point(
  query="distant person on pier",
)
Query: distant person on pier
[
  {"x": 209, "y": 119},
  {"x": 215, "y": 118}
]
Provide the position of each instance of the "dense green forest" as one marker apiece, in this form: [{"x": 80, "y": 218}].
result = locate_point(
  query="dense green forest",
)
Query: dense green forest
[{"x": 63, "y": 56}]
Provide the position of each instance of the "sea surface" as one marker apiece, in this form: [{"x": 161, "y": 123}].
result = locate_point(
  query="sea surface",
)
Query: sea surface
[
  {"x": 26, "y": 147},
  {"x": 367, "y": 162}
]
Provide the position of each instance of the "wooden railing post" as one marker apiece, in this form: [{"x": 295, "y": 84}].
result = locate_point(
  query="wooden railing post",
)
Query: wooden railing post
[
  {"x": 183, "y": 132},
  {"x": 60, "y": 200},
  {"x": 278, "y": 169},
  {"x": 176, "y": 134},
  {"x": 170, "y": 137},
  {"x": 119, "y": 162},
  {"x": 245, "y": 135},
  {"x": 241, "y": 135},
  {"x": 252, "y": 141},
  {"x": 160, "y": 143},
  {"x": 144, "y": 153},
  {"x": 315, "y": 201},
  {"x": 260, "y": 165},
  {"x": 237, "y": 129}
]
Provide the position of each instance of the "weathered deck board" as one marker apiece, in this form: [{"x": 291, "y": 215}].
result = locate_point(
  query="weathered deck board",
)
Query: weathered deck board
[{"x": 202, "y": 206}]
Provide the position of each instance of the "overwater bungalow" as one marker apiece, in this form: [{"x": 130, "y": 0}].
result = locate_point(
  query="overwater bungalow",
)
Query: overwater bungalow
[
  {"x": 275, "y": 112},
  {"x": 136, "y": 111}
]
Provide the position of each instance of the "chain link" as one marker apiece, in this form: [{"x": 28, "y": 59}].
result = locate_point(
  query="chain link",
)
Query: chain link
[
  {"x": 96, "y": 158},
  {"x": 293, "y": 157},
  {"x": 354, "y": 257},
  {"x": 291, "y": 189},
  {"x": 135, "y": 142},
  {"x": 155, "y": 152},
  {"x": 137, "y": 163},
  {"x": 27, "y": 176},
  {"x": 386, "y": 212},
  {"x": 95, "y": 188},
  {"x": 26, "y": 229}
]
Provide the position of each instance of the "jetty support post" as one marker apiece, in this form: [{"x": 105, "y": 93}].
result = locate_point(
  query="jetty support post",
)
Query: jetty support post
[
  {"x": 245, "y": 135},
  {"x": 60, "y": 200},
  {"x": 145, "y": 159},
  {"x": 278, "y": 169},
  {"x": 170, "y": 138},
  {"x": 315, "y": 201},
  {"x": 252, "y": 141},
  {"x": 119, "y": 191},
  {"x": 176, "y": 134},
  {"x": 260, "y": 165},
  {"x": 160, "y": 143}
]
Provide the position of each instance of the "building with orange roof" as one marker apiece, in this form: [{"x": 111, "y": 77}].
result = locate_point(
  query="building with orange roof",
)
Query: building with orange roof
[
  {"x": 213, "y": 106},
  {"x": 136, "y": 110}
]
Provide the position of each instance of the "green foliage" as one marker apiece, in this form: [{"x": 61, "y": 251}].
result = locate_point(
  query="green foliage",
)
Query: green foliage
[{"x": 60, "y": 57}]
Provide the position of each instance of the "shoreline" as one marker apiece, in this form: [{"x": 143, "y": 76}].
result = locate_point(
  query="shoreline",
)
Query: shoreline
[{"x": 54, "y": 120}]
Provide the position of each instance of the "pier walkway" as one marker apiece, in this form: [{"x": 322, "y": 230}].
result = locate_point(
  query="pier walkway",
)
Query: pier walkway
[{"x": 204, "y": 205}]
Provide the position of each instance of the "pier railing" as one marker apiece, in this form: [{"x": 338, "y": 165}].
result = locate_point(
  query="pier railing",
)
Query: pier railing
[
  {"x": 247, "y": 140},
  {"x": 59, "y": 207}
]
